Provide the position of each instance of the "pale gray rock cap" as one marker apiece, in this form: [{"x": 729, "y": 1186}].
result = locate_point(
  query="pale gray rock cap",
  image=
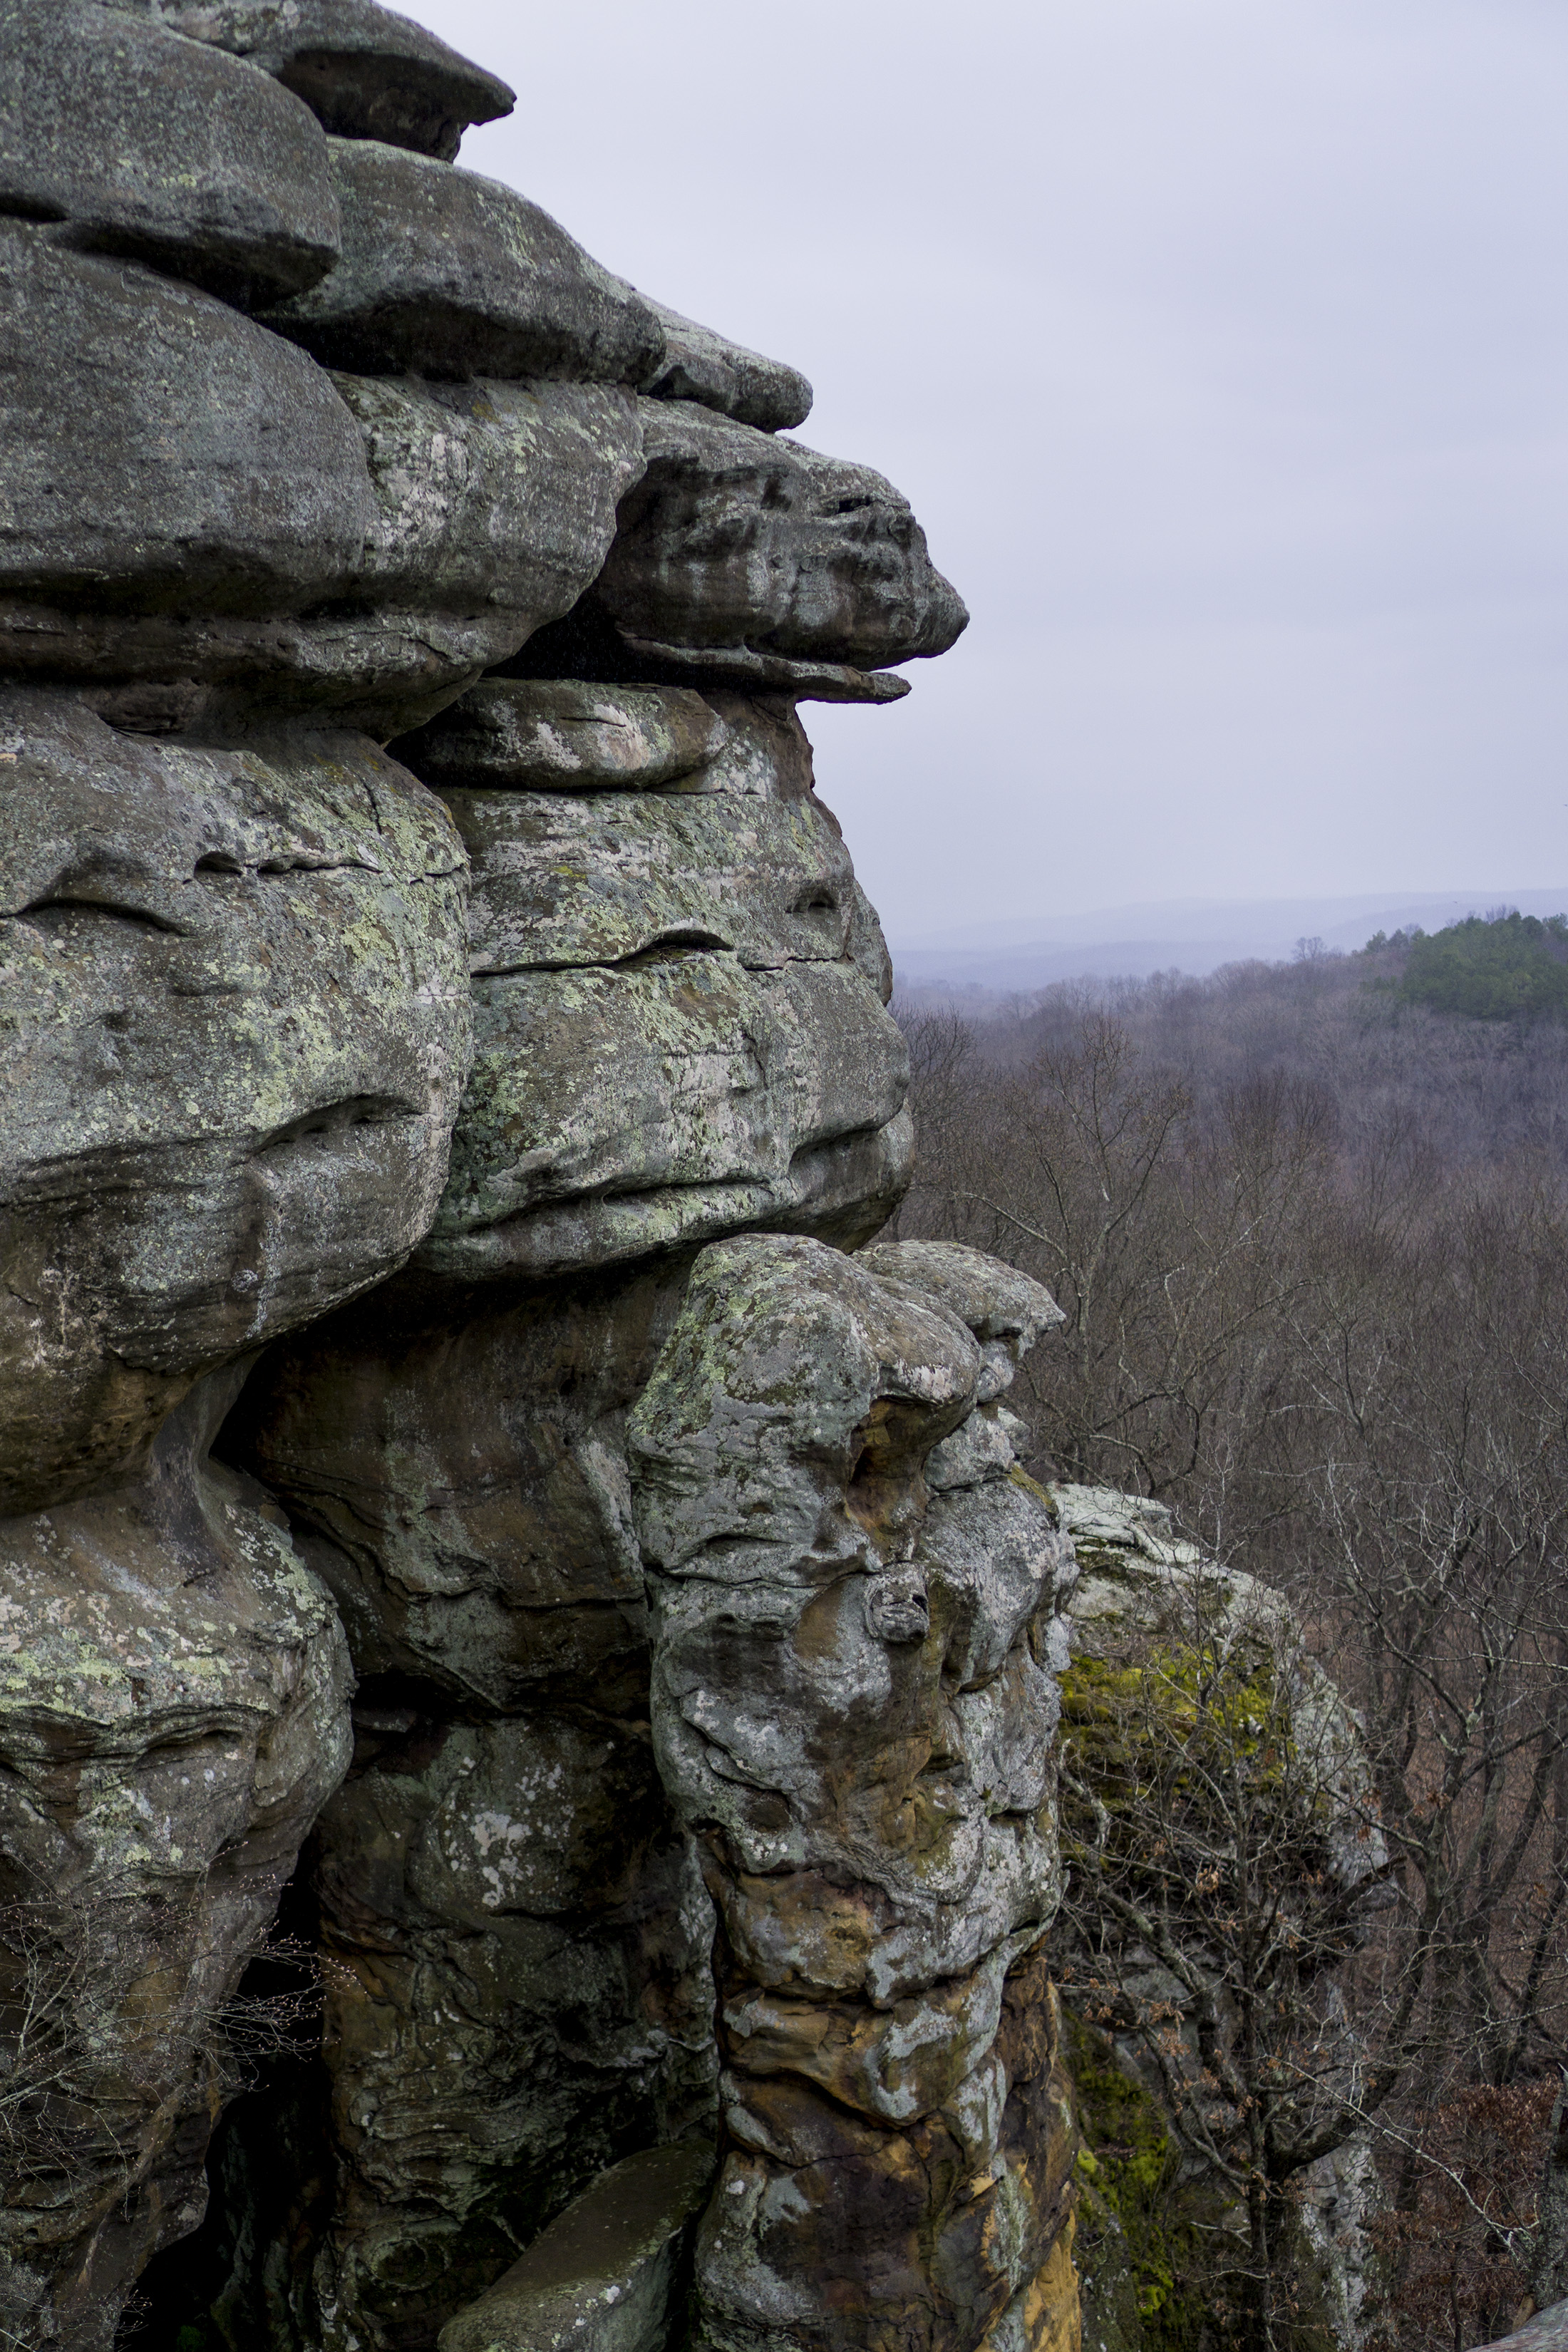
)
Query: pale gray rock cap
[
  {"x": 603, "y": 2276},
  {"x": 699, "y": 365},
  {"x": 1547, "y": 2331},
  {"x": 1007, "y": 1311},
  {"x": 365, "y": 71},
  {"x": 137, "y": 144},
  {"x": 451, "y": 275}
]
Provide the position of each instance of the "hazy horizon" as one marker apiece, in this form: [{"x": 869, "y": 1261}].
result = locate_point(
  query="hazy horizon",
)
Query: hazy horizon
[
  {"x": 1221, "y": 354},
  {"x": 1156, "y": 913},
  {"x": 1194, "y": 936}
]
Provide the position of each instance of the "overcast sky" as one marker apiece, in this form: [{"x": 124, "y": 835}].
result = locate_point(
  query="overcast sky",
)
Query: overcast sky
[{"x": 1222, "y": 347}]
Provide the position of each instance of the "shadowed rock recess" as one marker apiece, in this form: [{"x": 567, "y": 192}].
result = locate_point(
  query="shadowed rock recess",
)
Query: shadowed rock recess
[{"x": 485, "y": 1526}]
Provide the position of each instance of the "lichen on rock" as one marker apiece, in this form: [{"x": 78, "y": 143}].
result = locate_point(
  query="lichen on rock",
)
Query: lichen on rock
[{"x": 460, "y": 1485}]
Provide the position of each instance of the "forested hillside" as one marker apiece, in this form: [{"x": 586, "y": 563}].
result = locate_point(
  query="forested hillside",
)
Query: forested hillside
[{"x": 1309, "y": 1224}]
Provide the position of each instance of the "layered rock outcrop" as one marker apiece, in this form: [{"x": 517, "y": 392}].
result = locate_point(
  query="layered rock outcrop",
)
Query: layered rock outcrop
[{"x": 464, "y": 1468}]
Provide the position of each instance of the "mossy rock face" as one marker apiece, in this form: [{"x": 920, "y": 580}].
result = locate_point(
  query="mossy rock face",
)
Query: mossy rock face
[
  {"x": 1203, "y": 1754},
  {"x": 1144, "y": 2268}
]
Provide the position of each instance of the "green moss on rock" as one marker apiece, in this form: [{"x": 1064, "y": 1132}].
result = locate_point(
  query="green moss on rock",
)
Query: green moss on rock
[{"x": 1140, "y": 2246}]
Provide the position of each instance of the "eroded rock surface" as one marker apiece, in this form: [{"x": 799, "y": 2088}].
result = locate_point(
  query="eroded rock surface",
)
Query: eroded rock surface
[
  {"x": 199, "y": 164},
  {"x": 748, "y": 560},
  {"x": 174, "y": 1712},
  {"x": 697, "y": 364},
  {"x": 378, "y": 1106},
  {"x": 853, "y": 1711},
  {"x": 557, "y": 735},
  {"x": 606, "y": 2275},
  {"x": 523, "y": 1988},
  {"x": 451, "y": 275},
  {"x": 678, "y": 1017},
  {"x": 1154, "y": 1618},
  {"x": 216, "y": 468},
  {"x": 226, "y": 530},
  {"x": 236, "y": 1026},
  {"x": 364, "y": 70}
]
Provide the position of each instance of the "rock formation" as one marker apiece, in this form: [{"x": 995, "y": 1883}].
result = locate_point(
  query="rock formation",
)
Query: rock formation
[
  {"x": 466, "y": 1474},
  {"x": 1150, "y": 1618}
]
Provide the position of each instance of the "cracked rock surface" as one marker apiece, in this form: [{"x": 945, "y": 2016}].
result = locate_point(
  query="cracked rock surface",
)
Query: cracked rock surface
[
  {"x": 477, "y": 1545},
  {"x": 853, "y": 1710}
]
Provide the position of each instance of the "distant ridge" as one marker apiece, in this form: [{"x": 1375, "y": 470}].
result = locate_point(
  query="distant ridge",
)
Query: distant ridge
[{"x": 1190, "y": 935}]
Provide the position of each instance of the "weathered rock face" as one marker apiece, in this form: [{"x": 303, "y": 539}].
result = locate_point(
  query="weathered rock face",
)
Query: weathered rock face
[
  {"x": 367, "y": 1116},
  {"x": 237, "y": 1029},
  {"x": 553, "y": 735},
  {"x": 1152, "y": 1618},
  {"x": 173, "y": 1711},
  {"x": 365, "y": 71},
  {"x": 451, "y": 275},
  {"x": 699, "y": 365},
  {"x": 851, "y": 1712},
  {"x": 606, "y": 2275},
  {"x": 230, "y": 532},
  {"x": 738, "y": 543},
  {"x": 522, "y": 1990},
  {"x": 221, "y": 471},
  {"x": 679, "y": 1016},
  {"x": 198, "y": 165},
  {"x": 752, "y": 561}
]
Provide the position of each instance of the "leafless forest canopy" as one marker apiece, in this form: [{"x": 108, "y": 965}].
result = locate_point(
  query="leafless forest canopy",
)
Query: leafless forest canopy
[{"x": 1311, "y": 1243}]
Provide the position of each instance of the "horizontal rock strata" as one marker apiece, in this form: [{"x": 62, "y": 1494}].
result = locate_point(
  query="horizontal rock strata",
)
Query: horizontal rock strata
[
  {"x": 236, "y": 1026},
  {"x": 452, "y": 275},
  {"x": 197, "y": 163},
  {"x": 697, "y": 364},
  {"x": 363, "y": 70},
  {"x": 678, "y": 1002},
  {"x": 406, "y": 1155}
]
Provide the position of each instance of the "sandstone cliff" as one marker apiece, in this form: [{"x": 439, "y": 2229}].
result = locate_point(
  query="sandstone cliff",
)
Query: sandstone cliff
[{"x": 468, "y": 1481}]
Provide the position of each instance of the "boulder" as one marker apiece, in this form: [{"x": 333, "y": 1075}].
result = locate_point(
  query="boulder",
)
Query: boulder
[
  {"x": 1140, "y": 1579},
  {"x": 603, "y": 2276},
  {"x": 451, "y": 275},
  {"x": 699, "y": 365},
  {"x": 224, "y": 533},
  {"x": 174, "y": 1713},
  {"x": 740, "y": 554},
  {"x": 560, "y": 735},
  {"x": 853, "y": 1713},
  {"x": 236, "y": 1013},
  {"x": 498, "y": 496},
  {"x": 365, "y": 71},
  {"x": 1154, "y": 1622},
  {"x": 210, "y": 465},
  {"x": 141, "y": 145}
]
